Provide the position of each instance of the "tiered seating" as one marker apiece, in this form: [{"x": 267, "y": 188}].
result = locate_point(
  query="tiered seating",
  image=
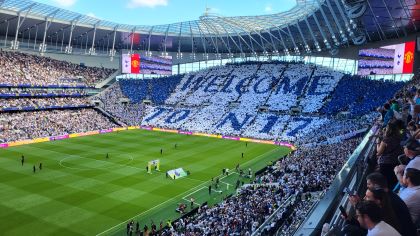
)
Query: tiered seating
[
  {"x": 41, "y": 103},
  {"x": 226, "y": 100},
  {"x": 290, "y": 177},
  {"x": 323, "y": 83},
  {"x": 41, "y": 97},
  {"x": 162, "y": 88},
  {"x": 135, "y": 90},
  {"x": 359, "y": 95},
  {"x": 29, "y": 125},
  {"x": 30, "y": 92},
  {"x": 290, "y": 87},
  {"x": 128, "y": 113},
  {"x": 27, "y": 69}
]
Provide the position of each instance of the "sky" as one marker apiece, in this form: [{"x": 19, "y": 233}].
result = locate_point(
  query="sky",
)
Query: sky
[{"x": 155, "y": 12}]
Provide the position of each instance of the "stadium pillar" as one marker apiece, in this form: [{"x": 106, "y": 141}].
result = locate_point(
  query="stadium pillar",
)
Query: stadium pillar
[
  {"x": 36, "y": 36},
  {"x": 43, "y": 47},
  {"x": 132, "y": 40},
  {"x": 148, "y": 46},
  {"x": 15, "y": 45},
  {"x": 7, "y": 32},
  {"x": 69, "y": 48},
  {"x": 112, "y": 52},
  {"x": 92, "y": 50}
]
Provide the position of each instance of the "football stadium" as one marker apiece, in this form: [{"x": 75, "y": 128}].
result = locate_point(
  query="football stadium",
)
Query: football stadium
[{"x": 210, "y": 117}]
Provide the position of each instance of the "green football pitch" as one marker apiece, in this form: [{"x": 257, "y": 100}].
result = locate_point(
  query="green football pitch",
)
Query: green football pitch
[{"x": 81, "y": 192}]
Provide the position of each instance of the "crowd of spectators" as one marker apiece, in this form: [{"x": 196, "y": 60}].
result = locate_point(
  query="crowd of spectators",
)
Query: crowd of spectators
[
  {"x": 363, "y": 63},
  {"x": 375, "y": 71},
  {"x": 335, "y": 128},
  {"x": 37, "y": 103},
  {"x": 358, "y": 95},
  {"x": 377, "y": 53},
  {"x": 392, "y": 200},
  {"x": 28, "y": 125},
  {"x": 244, "y": 213},
  {"x": 19, "y": 68},
  {"x": 226, "y": 100},
  {"x": 130, "y": 113},
  {"x": 156, "y": 90},
  {"x": 30, "y": 92},
  {"x": 324, "y": 81}
]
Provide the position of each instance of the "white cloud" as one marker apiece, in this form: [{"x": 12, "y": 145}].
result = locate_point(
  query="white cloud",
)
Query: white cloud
[
  {"x": 147, "y": 3},
  {"x": 268, "y": 8},
  {"x": 91, "y": 14},
  {"x": 65, "y": 3},
  {"x": 214, "y": 10}
]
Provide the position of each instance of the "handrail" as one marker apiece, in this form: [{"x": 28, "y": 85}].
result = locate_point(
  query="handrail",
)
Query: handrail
[{"x": 272, "y": 216}]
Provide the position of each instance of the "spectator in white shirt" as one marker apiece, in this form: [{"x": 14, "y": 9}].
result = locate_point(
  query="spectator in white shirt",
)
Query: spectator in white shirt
[
  {"x": 369, "y": 216},
  {"x": 411, "y": 194}
]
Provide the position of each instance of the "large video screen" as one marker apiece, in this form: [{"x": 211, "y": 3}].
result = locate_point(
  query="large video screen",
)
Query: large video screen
[
  {"x": 141, "y": 64},
  {"x": 393, "y": 59}
]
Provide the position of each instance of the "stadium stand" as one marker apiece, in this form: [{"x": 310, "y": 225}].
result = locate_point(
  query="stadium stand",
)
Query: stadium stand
[
  {"x": 222, "y": 101},
  {"x": 226, "y": 100},
  {"x": 128, "y": 113},
  {"x": 20, "y": 69},
  {"x": 29, "y": 125},
  {"x": 244, "y": 214}
]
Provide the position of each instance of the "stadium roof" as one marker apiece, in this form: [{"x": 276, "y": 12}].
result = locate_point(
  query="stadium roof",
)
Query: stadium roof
[
  {"x": 312, "y": 25},
  {"x": 208, "y": 25}
]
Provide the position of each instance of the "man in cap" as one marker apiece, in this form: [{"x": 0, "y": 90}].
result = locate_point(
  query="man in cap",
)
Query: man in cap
[{"x": 412, "y": 151}]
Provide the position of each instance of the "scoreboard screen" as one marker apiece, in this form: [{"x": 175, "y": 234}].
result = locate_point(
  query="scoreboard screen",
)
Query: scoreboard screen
[
  {"x": 142, "y": 64},
  {"x": 388, "y": 60}
]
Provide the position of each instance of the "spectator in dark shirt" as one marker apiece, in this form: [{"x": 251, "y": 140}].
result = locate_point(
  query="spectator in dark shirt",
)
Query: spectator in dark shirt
[
  {"x": 377, "y": 181},
  {"x": 387, "y": 154}
]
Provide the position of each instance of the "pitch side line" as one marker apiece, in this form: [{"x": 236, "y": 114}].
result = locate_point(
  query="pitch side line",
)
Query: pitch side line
[{"x": 177, "y": 196}]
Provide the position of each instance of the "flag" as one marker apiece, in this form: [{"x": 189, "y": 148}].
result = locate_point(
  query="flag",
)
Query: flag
[
  {"x": 135, "y": 64},
  {"x": 131, "y": 64},
  {"x": 126, "y": 64},
  {"x": 404, "y": 58},
  {"x": 409, "y": 58}
]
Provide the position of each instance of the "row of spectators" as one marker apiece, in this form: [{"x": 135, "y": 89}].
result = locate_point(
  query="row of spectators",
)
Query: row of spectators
[
  {"x": 29, "y": 125},
  {"x": 22, "y": 103},
  {"x": 375, "y": 63},
  {"x": 375, "y": 71},
  {"x": 29, "y": 92},
  {"x": 19, "y": 68},
  {"x": 377, "y": 53}
]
